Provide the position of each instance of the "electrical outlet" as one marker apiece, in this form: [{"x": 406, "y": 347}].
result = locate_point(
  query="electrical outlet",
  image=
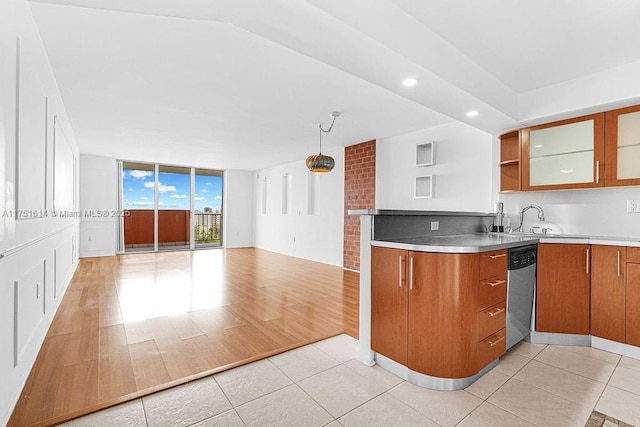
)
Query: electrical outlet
[
  {"x": 435, "y": 225},
  {"x": 633, "y": 206}
]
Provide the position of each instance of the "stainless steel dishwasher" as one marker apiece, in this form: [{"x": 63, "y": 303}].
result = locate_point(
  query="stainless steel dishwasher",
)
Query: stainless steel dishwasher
[{"x": 521, "y": 283}]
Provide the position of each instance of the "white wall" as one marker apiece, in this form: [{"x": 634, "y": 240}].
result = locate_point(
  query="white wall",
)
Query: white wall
[
  {"x": 314, "y": 237},
  {"x": 98, "y": 193},
  {"x": 238, "y": 209},
  {"x": 600, "y": 212},
  {"x": 462, "y": 170},
  {"x": 37, "y": 255}
]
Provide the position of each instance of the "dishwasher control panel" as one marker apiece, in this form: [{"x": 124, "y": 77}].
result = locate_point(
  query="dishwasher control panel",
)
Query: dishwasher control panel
[{"x": 522, "y": 257}]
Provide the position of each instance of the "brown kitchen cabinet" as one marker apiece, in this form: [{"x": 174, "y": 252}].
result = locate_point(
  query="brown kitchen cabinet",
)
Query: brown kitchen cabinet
[
  {"x": 435, "y": 313},
  {"x": 622, "y": 136},
  {"x": 389, "y": 303},
  {"x": 564, "y": 155},
  {"x": 632, "y": 302},
  {"x": 563, "y": 288},
  {"x": 510, "y": 171},
  {"x": 608, "y": 292}
]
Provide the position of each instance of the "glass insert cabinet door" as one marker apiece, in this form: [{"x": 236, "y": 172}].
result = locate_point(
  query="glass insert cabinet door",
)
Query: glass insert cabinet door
[
  {"x": 623, "y": 146},
  {"x": 565, "y": 154}
]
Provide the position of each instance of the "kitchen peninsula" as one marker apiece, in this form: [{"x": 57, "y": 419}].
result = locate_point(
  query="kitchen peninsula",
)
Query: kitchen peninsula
[{"x": 433, "y": 294}]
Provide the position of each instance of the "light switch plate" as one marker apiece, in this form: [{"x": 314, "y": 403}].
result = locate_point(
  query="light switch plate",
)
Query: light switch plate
[
  {"x": 435, "y": 225},
  {"x": 633, "y": 206}
]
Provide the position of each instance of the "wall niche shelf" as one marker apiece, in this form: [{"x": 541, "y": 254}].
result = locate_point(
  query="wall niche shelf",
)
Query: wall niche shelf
[
  {"x": 425, "y": 154},
  {"x": 423, "y": 188}
]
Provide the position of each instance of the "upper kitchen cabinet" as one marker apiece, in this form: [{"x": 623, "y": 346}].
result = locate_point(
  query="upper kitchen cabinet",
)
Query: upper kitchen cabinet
[
  {"x": 510, "y": 162},
  {"x": 564, "y": 155},
  {"x": 623, "y": 146}
]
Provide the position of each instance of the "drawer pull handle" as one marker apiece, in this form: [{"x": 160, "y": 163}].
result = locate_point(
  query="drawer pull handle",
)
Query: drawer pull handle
[
  {"x": 400, "y": 261},
  {"x": 493, "y": 343},
  {"x": 497, "y": 256},
  {"x": 495, "y": 312},
  {"x": 618, "y": 263},
  {"x": 587, "y": 268},
  {"x": 496, "y": 283}
]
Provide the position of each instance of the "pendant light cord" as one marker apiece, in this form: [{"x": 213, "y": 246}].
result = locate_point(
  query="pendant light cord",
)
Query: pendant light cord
[{"x": 335, "y": 115}]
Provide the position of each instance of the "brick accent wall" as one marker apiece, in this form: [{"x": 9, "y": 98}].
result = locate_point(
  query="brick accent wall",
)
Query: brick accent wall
[{"x": 359, "y": 193}]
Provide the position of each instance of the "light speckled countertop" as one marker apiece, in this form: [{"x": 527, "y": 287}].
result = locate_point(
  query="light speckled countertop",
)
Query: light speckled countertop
[{"x": 484, "y": 242}]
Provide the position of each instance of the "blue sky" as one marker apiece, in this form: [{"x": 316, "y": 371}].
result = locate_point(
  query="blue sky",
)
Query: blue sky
[{"x": 173, "y": 191}]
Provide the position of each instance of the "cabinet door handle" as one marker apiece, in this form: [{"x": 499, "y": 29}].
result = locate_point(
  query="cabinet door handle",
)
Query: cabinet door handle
[
  {"x": 496, "y": 283},
  {"x": 495, "y": 312},
  {"x": 411, "y": 273},
  {"x": 400, "y": 270},
  {"x": 587, "y": 268},
  {"x": 493, "y": 343},
  {"x": 618, "y": 263},
  {"x": 597, "y": 171},
  {"x": 497, "y": 256}
]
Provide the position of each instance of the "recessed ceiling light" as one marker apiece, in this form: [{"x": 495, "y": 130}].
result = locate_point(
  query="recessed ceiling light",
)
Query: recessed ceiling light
[
  {"x": 472, "y": 113},
  {"x": 566, "y": 170},
  {"x": 409, "y": 82}
]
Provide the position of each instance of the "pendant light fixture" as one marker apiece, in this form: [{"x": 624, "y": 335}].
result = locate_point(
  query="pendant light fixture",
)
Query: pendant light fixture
[{"x": 320, "y": 162}]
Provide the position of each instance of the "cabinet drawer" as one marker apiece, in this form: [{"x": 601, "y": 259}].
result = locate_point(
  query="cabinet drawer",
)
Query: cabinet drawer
[
  {"x": 493, "y": 263},
  {"x": 492, "y": 291},
  {"x": 491, "y": 348},
  {"x": 492, "y": 319},
  {"x": 633, "y": 255}
]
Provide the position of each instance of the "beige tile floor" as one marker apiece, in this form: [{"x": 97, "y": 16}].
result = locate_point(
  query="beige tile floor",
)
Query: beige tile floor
[{"x": 323, "y": 385}]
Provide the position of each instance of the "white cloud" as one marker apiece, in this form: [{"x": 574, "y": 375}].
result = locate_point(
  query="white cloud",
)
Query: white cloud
[
  {"x": 144, "y": 198},
  {"x": 200, "y": 199},
  {"x": 208, "y": 183},
  {"x": 161, "y": 187},
  {"x": 166, "y": 188},
  {"x": 140, "y": 174},
  {"x": 218, "y": 197},
  {"x": 178, "y": 196},
  {"x": 204, "y": 190},
  {"x": 131, "y": 189},
  {"x": 137, "y": 203}
]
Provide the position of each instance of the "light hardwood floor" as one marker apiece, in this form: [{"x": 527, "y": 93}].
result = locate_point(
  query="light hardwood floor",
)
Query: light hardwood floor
[{"x": 134, "y": 324}]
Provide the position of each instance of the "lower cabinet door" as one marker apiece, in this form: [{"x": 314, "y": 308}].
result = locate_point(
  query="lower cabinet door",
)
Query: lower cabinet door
[
  {"x": 563, "y": 288},
  {"x": 633, "y": 304},
  {"x": 608, "y": 292},
  {"x": 443, "y": 291},
  {"x": 389, "y": 303}
]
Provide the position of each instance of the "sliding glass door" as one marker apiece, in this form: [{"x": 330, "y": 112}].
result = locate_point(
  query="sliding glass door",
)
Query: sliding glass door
[
  {"x": 169, "y": 207},
  {"x": 138, "y": 182},
  {"x": 207, "y": 214},
  {"x": 174, "y": 208}
]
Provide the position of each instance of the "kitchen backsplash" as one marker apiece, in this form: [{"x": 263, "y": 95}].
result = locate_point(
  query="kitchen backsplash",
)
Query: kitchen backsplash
[{"x": 600, "y": 212}]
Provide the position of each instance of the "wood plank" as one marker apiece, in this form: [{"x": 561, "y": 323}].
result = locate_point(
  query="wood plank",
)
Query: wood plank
[
  {"x": 148, "y": 366},
  {"x": 177, "y": 356},
  {"x": 115, "y": 370}
]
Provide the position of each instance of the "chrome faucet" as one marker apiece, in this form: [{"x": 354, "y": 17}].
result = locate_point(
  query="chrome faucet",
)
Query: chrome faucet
[{"x": 536, "y": 207}]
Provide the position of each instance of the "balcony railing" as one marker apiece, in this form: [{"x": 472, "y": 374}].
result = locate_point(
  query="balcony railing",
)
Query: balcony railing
[
  {"x": 207, "y": 228},
  {"x": 173, "y": 228}
]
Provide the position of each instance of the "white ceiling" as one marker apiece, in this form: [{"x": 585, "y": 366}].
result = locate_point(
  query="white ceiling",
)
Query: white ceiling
[{"x": 243, "y": 84}]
